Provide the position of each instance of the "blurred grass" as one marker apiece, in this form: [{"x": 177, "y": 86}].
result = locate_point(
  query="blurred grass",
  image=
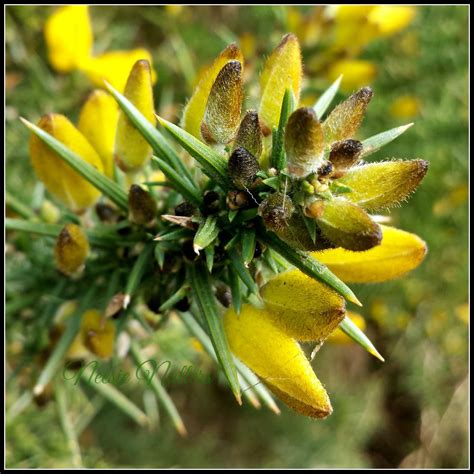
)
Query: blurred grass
[{"x": 411, "y": 411}]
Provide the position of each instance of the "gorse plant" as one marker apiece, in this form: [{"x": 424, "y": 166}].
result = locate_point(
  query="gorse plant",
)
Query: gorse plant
[{"x": 252, "y": 244}]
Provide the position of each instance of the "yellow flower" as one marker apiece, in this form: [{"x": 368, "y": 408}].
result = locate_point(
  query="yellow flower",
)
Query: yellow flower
[
  {"x": 405, "y": 107},
  {"x": 71, "y": 249},
  {"x": 68, "y": 34},
  {"x": 132, "y": 151},
  {"x": 98, "y": 123},
  {"x": 390, "y": 19},
  {"x": 69, "y": 38},
  {"x": 59, "y": 178},
  {"x": 277, "y": 359},
  {"x": 355, "y": 73}
]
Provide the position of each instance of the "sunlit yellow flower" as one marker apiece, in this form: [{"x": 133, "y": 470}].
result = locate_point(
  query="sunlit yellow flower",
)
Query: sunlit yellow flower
[
  {"x": 405, "y": 107},
  {"x": 390, "y": 19},
  {"x": 69, "y": 38},
  {"x": 355, "y": 73},
  {"x": 59, "y": 178}
]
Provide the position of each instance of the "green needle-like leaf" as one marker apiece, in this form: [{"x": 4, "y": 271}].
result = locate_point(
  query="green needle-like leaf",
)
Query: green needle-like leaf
[
  {"x": 105, "y": 185},
  {"x": 200, "y": 281},
  {"x": 249, "y": 241},
  {"x": 206, "y": 234},
  {"x": 349, "y": 328},
  {"x": 278, "y": 158},
  {"x": 161, "y": 394},
  {"x": 138, "y": 270},
  {"x": 374, "y": 143},
  {"x": 326, "y": 98},
  {"x": 17, "y": 206},
  {"x": 234, "y": 283},
  {"x": 308, "y": 265},
  {"x": 213, "y": 164},
  {"x": 242, "y": 271}
]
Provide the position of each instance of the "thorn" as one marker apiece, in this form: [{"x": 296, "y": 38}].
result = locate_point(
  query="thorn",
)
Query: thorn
[
  {"x": 126, "y": 301},
  {"x": 274, "y": 408},
  {"x": 181, "y": 429},
  {"x": 353, "y": 299},
  {"x": 25, "y": 122},
  {"x": 38, "y": 390},
  {"x": 196, "y": 249},
  {"x": 238, "y": 397},
  {"x": 157, "y": 238},
  {"x": 376, "y": 354}
]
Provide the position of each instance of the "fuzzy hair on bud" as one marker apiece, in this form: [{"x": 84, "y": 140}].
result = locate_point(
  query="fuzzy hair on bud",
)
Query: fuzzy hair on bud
[
  {"x": 224, "y": 104},
  {"x": 242, "y": 168},
  {"x": 249, "y": 135},
  {"x": 344, "y": 121},
  {"x": 304, "y": 141},
  {"x": 276, "y": 211},
  {"x": 71, "y": 249},
  {"x": 344, "y": 154},
  {"x": 143, "y": 207}
]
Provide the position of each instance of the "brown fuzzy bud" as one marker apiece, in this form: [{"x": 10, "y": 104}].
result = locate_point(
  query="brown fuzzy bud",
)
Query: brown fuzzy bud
[
  {"x": 142, "y": 205},
  {"x": 222, "y": 116},
  {"x": 304, "y": 142},
  {"x": 344, "y": 121},
  {"x": 344, "y": 154},
  {"x": 242, "y": 168},
  {"x": 250, "y": 135},
  {"x": 276, "y": 211},
  {"x": 71, "y": 249},
  {"x": 237, "y": 199}
]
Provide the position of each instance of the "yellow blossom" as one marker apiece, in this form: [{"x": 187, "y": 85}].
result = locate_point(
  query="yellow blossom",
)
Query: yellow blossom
[
  {"x": 355, "y": 73},
  {"x": 405, "y": 107},
  {"x": 71, "y": 249}
]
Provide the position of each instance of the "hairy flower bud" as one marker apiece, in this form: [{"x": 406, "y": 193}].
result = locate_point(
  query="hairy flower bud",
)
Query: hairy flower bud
[
  {"x": 142, "y": 206},
  {"x": 249, "y": 135},
  {"x": 242, "y": 168},
  {"x": 347, "y": 225},
  {"x": 344, "y": 154},
  {"x": 344, "y": 121},
  {"x": 97, "y": 333},
  {"x": 276, "y": 211},
  {"x": 71, "y": 249},
  {"x": 132, "y": 151},
  {"x": 224, "y": 104},
  {"x": 381, "y": 185},
  {"x": 304, "y": 141},
  {"x": 283, "y": 70}
]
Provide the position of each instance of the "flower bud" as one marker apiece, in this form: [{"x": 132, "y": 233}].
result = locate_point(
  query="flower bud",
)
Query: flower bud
[
  {"x": 381, "y": 185},
  {"x": 132, "y": 151},
  {"x": 71, "y": 249},
  {"x": 302, "y": 307},
  {"x": 277, "y": 359},
  {"x": 347, "y": 225},
  {"x": 58, "y": 177},
  {"x": 222, "y": 115},
  {"x": 68, "y": 35},
  {"x": 344, "y": 121},
  {"x": 194, "y": 111},
  {"x": 276, "y": 211},
  {"x": 98, "y": 123},
  {"x": 98, "y": 333},
  {"x": 242, "y": 168},
  {"x": 343, "y": 155},
  {"x": 142, "y": 206},
  {"x": 304, "y": 141},
  {"x": 249, "y": 135},
  {"x": 283, "y": 70},
  {"x": 398, "y": 253}
]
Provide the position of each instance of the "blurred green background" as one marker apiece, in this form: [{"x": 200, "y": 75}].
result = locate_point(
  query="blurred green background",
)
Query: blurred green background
[{"x": 411, "y": 411}]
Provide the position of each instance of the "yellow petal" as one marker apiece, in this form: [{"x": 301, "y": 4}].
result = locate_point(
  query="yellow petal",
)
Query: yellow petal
[
  {"x": 98, "y": 123},
  {"x": 195, "y": 108},
  {"x": 71, "y": 249},
  {"x": 355, "y": 73},
  {"x": 59, "y": 178},
  {"x": 98, "y": 333},
  {"x": 277, "y": 359},
  {"x": 382, "y": 185},
  {"x": 283, "y": 70},
  {"x": 390, "y": 19},
  {"x": 132, "y": 151},
  {"x": 340, "y": 337},
  {"x": 405, "y": 107},
  {"x": 304, "y": 308},
  {"x": 69, "y": 39},
  {"x": 115, "y": 67},
  {"x": 398, "y": 253}
]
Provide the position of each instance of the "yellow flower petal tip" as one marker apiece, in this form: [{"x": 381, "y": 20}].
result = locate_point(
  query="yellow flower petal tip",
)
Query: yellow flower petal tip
[
  {"x": 304, "y": 308},
  {"x": 71, "y": 249},
  {"x": 58, "y": 177},
  {"x": 277, "y": 359},
  {"x": 283, "y": 70},
  {"x": 132, "y": 151},
  {"x": 98, "y": 123},
  {"x": 390, "y": 19},
  {"x": 68, "y": 35},
  {"x": 398, "y": 253},
  {"x": 98, "y": 333},
  {"x": 115, "y": 67},
  {"x": 193, "y": 113}
]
